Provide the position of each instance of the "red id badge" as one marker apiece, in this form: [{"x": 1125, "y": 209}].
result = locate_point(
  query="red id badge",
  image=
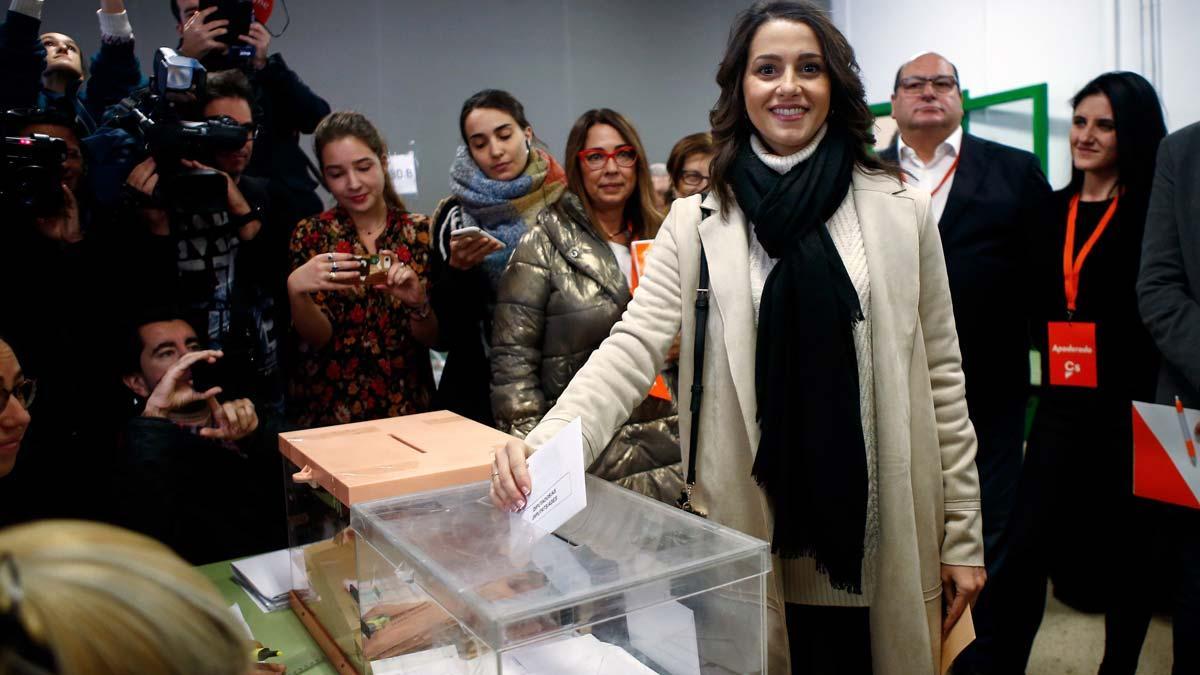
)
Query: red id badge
[{"x": 1073, "y": 354}]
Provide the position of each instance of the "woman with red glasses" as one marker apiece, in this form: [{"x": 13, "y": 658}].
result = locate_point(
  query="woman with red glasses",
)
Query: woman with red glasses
[{"x": 567, "y": 284}]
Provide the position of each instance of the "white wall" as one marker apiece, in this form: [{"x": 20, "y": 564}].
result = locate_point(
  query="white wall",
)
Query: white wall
[
  {"x": 1003, "y": 44},
  {"x": 409, "y": 64}
]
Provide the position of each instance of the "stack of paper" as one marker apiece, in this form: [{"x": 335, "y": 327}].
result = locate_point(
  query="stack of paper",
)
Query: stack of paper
[{"x": 266, "y": 578}]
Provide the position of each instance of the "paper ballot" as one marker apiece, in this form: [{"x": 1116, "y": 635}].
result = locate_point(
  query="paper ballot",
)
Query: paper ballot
[
  {"x": 556, "y": 471},
  {"x": 1162, "y": 469}
]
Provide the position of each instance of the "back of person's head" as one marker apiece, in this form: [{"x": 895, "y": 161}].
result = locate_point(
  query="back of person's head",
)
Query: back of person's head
[
  {"x": 230, "y": 83},
  {"x": 348, "y": 123},
  {"x": 1138, "y": 117},
  {"x": 692, "y": 144},
  {"x": 848, "y": 108},
  {"x": 639, "y": 210},
  {"x": 493, "y": 99},
  {"x": 81, "y": 598}
]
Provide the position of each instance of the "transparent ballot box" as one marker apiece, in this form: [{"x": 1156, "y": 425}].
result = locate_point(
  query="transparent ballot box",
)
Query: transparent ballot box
[
  {"x": 451, "y": 585},
  {"x": 330, "y": 469}
]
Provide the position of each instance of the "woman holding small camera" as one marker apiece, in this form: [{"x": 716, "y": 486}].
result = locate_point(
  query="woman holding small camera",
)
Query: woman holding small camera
[
  {"x": 357, "y": 290},
  {"x": 500, "y": 179}
]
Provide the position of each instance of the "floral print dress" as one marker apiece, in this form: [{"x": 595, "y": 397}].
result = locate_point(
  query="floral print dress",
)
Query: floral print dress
[{"x": 372, "y": 367}]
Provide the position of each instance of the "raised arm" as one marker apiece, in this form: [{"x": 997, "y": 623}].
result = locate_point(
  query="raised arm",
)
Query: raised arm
[
  {"x": 21, "y": 56},
  {"x": 115, "y": 71}
]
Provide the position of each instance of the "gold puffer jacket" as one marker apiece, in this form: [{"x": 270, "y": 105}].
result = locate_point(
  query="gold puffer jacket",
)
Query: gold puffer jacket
[{"x": 558, "y": 299}]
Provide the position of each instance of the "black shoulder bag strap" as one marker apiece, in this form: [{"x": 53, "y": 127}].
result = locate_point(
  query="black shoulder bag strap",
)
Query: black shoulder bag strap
[{"x": 685, "y": 498}]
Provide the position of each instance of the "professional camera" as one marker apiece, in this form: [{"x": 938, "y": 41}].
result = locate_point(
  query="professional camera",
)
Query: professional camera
[
  {"x": 154, "y": 115},
  {"x": 31, "y": 182}
]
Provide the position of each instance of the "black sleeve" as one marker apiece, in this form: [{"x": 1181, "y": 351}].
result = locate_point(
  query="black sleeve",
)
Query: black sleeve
[
  {"x": 149, "y": 478},
  {"x": 459, "y": 297},
  {"x": 294, "y": 105},
  {"x": 21, "y": 61},
  {"x": 1169, "y": 311}
]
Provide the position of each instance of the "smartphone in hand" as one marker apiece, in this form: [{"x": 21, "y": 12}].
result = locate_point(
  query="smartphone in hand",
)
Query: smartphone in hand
[{"x": 472, "y": 233}]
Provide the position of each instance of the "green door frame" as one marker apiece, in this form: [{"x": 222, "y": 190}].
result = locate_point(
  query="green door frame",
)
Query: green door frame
[{"x": 1038, "y": 93}]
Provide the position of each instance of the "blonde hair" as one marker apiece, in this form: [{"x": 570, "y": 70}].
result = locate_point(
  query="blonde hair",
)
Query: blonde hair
[
  {"x": 106, "y": 601},
  {"x": 342, "y": 123}
]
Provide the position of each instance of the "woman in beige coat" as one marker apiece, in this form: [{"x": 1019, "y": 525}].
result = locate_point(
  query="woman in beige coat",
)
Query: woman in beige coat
[{"x": 833, "y": 419}]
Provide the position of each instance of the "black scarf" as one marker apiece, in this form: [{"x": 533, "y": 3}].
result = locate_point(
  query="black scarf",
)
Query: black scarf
[{"x": 811, "y": 458}]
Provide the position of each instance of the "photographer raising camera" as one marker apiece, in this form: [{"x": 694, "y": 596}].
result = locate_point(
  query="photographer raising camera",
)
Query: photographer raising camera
[
  {"x": 189, "y": 434},
  {"x": 358, "y": 289},
  {"x": 225, "y": 34},
  {"x": 201, "y": 213}
]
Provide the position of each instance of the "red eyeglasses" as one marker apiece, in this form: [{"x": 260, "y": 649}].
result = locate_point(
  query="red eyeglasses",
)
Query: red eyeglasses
[{"x": 596, "y": 158}]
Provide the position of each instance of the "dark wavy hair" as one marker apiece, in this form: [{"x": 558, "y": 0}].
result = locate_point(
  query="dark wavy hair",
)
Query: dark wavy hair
[
  {"x": 1138, "y": 116},
  {"x": 848, "y": 107}
]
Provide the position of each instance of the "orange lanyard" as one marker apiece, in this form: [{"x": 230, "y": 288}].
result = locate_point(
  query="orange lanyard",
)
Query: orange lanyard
[
  {"x": 1071, "y": 267},
  {"x": 946, "y": 177}
]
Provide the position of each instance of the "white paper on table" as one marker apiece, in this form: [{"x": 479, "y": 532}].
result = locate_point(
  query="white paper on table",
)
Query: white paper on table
[
  {"x": 270, "y": 574},
  {"x": 556, "y": 471},
  {"x": 240, "y": 619},
  {"x": 402, "y": 167},
  {"x": 666, "y": 634},
  {"x": 438, "y": 661},
  {"x": 582, "y": 655}
]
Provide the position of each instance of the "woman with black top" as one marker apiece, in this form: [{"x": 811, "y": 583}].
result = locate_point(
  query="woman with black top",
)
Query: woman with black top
[
  {"x": 500, "y": 180},
  {"x": 1073, "y": 520}
]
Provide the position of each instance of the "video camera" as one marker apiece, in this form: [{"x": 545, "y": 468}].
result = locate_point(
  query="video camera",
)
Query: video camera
[
  {"x": 31, "y": 182},
  {"x": 156, "y": 116}
]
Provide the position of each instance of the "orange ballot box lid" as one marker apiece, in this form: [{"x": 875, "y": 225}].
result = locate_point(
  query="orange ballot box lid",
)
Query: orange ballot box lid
[{"x": 363, "y": 461}]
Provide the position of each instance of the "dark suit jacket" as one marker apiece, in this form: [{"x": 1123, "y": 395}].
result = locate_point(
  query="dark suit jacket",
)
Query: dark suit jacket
[
  {"x": 1169, "y": 282},
  {"x": 986, "y": 231}
]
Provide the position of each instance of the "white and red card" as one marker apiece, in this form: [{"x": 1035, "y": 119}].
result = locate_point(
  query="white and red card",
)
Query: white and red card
[{"x": 1162, "y": 469}]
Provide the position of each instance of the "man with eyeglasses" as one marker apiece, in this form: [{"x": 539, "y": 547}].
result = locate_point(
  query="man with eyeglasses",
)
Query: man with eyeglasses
[
  {"x": 225, "y": 266},
  {"x": 985, "y": 199}
]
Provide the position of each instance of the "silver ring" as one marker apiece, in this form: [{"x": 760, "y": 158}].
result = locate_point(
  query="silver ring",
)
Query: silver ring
[
  {"x": 331, "y": 276},
  {"x": 495, "y": 473},
  {"x": 329, "y": 256},
  {"x": 335, "y": 266}
]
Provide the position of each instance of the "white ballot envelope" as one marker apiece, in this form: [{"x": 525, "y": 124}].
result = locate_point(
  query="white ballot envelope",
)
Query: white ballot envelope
[{"x": 556, "y": 471}]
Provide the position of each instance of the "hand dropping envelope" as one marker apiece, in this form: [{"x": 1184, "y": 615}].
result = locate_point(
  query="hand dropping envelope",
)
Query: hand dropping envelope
[{"x": 556, "y": 471}]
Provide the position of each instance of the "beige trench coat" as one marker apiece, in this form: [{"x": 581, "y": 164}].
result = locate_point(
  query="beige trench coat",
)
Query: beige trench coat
[{"x": 928, "y": 485}]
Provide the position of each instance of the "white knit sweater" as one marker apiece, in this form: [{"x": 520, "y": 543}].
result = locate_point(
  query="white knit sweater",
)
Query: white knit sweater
[{"x": 802, "y": 583}]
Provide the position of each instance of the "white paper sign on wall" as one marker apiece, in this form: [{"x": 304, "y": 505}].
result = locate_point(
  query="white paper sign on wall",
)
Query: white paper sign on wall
[{"x": 402, "y": 166}]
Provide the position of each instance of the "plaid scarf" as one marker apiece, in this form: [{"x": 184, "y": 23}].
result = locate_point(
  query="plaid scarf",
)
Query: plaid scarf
[{"x": 504, "y": 208}]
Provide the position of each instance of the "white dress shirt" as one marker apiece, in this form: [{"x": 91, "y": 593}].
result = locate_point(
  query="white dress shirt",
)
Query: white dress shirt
[{"x": 927, "y": 176}]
